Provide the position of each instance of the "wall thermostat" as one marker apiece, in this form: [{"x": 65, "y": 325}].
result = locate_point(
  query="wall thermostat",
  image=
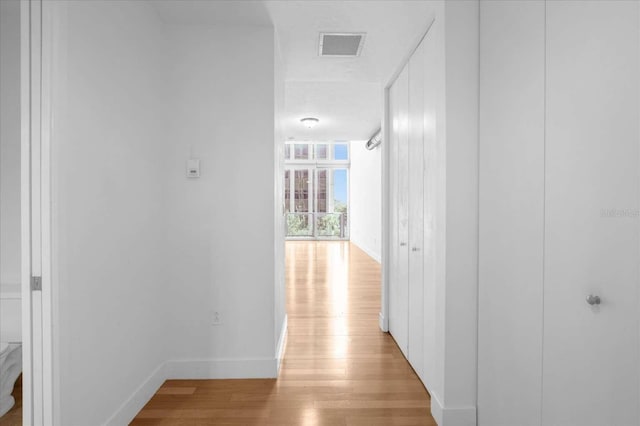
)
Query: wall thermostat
[{"x": 193, "y": 168}]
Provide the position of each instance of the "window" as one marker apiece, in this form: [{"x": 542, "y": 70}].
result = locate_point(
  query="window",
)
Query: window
[
  {"x": 318, "y": 152},
  {"x": 316, "y": 193},
  {"x": 322, "y": 151},
  {"x": 321, "y": 191},
  {"x": 341, "y": 151},
  {"x": 301, "y": 151}
]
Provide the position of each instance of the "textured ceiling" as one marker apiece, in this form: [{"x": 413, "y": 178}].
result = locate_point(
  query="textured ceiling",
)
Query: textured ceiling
[
  {"x": 344, "y": 93},
  {"x": 393, "y": 29},
  {"x": 346, "y": 110},
  {"x": 213, "y": 12}
]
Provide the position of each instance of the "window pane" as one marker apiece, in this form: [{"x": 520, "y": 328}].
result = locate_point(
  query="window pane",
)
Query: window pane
[
  {"x": 322, "y": 151},
  {"x": 300, "y": 224},
  {"x": 329, "y": 225},
  {"x": 340, "y": 196},
  {"x": 287, "y": 151},
  {"x": 301, "y": 151},
  {"x": 340, "y": 190},
  {"x": 340, "y": 151},
  {"x": 300, "y": 221},
  {"x": 301, "y": 183},
  {"x": 287, "y": 191},
  {"x": 321, "y": 191}
]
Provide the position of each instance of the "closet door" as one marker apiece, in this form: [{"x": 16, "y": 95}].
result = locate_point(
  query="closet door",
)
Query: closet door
[
  {"x": 590, "y": 354},
  {"x": 398, "y": 286},
  {"x": 416, "y": 209}
]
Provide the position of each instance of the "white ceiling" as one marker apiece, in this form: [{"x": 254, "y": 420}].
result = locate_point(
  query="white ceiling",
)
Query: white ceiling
[
  {"x": 347, "y": 110},
  {"x": 213, "y": 12},
  {"x": 393, "y": 28},
  {"x": 344, "y": 93}
]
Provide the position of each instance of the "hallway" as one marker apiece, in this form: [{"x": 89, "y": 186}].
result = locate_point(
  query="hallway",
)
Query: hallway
[{"x": 339, "y": 369}]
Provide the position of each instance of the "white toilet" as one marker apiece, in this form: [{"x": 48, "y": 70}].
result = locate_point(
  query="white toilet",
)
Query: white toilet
[{"x": 10, "y": 344}]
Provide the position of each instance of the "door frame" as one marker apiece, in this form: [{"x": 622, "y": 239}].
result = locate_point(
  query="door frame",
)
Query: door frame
[{"x": 36, "y": 25}]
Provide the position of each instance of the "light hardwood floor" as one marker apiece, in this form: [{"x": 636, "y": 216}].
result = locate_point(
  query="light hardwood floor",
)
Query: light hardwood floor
[
  {"x": 339, "y": 369},
  {"x": 14, "y": 416}
]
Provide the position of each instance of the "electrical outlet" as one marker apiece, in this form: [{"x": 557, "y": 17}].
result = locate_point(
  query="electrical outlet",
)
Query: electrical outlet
[{"x": 216, "y": 318}]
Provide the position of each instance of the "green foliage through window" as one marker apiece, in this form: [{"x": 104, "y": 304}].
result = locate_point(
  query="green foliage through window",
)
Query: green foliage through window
[{"x": 298, "y": 225}]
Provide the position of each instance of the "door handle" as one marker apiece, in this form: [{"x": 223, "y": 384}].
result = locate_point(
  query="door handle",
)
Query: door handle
[
  {"x": 415, "y": 249},
  {"x": 403, "y": 244},
  {"x": 593, "y": 300}
]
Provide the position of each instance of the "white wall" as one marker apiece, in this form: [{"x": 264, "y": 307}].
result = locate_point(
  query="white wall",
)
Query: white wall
[
  {"x": 512, "y": 212},
  {"x": 144, "y": 255},
  {"x": 10, "y": 142},
  {"x": 221, "y": 226},
  {"x": 365, "y": 203},
  {"x": 109, "y": 206},
  {"x": 461, "y": 135}
]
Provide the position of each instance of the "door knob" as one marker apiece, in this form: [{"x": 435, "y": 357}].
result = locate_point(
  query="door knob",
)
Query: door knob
[
  {"x": 403, "y": 244},
  {"x": 593, "y": 300},
  {"x": 415, "y": 249}
]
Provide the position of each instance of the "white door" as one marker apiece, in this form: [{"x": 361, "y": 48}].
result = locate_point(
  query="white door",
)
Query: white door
[
  {"x": 415, "y": 206},
  {"x": 590, "y": 354},
  {"x": 399, "y": 217}
]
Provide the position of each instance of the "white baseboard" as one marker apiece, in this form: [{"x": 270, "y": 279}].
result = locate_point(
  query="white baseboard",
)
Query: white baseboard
[
  {"x": 249, "y": 368},
  {"x": 452, "y": 416},
  {"x": 436, "y": 409},
  {"x": 372, "y": 254},
  {"x": 383, "y": 323},
  {"x": 282, "y": 343},
  {"x": 132, "y": 406}
]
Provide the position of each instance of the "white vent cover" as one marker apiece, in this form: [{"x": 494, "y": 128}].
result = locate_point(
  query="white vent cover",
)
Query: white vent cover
[{"x": 341, "y": 44}]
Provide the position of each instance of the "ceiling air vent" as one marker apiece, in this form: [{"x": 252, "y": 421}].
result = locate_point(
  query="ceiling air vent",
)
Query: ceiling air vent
[{"x": 341, "y": 44}]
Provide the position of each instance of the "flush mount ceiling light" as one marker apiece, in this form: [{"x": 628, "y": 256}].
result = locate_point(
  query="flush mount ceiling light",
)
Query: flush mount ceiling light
[{"x": 309, "y": 122}]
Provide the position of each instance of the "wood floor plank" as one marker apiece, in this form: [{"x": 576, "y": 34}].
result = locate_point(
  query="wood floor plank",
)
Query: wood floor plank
[
  {"x": 339, "y": 368},
  {"x": 169, "y": 390}
]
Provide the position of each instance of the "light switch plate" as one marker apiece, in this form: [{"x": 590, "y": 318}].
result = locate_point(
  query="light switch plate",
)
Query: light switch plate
[{"x": 193, "y": 168}]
